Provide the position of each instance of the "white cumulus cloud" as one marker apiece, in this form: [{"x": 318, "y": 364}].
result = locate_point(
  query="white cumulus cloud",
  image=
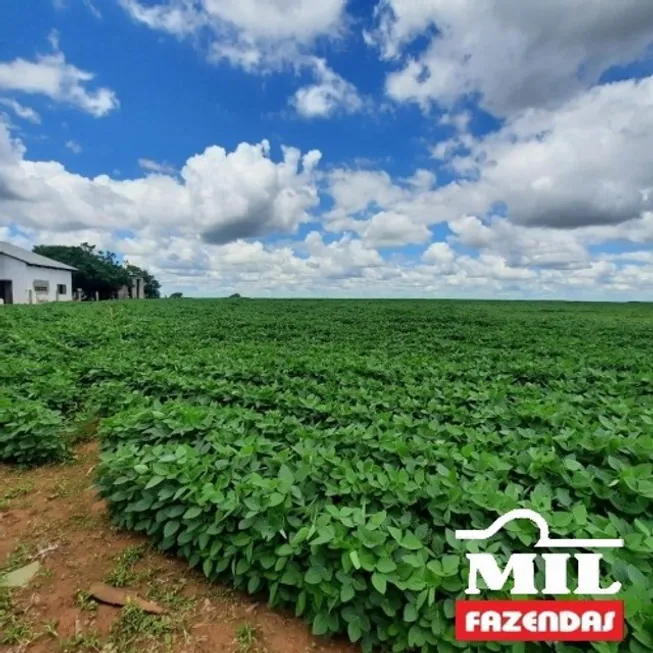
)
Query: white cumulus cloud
[
  {"x": 219, "y": 196},
  {"x": 26, "y": 113},
  {"x": 388, "y": 229},
  {"x": 260, "y": 36},
  {"x": 590, "y": 162},
  {"x": 247, "y": 32},
  {"x": 330, "y": 94},
  {"x": 51, "y": 75},
  {"x": 515, "y": 54},
  {"x": 157, "y": 167}
]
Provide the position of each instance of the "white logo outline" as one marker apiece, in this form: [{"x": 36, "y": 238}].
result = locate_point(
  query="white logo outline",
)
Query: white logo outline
[{"x": 545, "y": 540}]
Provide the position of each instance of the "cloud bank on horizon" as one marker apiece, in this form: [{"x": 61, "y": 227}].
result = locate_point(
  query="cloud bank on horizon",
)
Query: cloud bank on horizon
[{"x": 338, "y": 148}]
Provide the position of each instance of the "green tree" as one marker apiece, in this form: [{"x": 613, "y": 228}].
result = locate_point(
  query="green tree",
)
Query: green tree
[
  {"x": 151, "y": 285},
  {"x": 98, "y": 271}
]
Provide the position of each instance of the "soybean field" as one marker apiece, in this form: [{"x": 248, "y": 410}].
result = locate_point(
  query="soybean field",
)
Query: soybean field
[{"x": 318, "y": 455}]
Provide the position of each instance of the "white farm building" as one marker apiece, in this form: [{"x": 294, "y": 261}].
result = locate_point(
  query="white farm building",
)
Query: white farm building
[{"x": 28, "y": 278}]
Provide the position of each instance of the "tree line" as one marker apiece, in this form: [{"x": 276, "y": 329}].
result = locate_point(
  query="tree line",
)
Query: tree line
[{"x": 99, "y": 271}]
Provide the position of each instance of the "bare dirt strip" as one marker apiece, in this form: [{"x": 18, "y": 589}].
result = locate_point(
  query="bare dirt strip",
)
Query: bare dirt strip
[{"x": 53, "y": 515}]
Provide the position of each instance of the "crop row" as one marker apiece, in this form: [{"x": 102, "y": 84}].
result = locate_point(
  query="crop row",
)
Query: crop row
[
  {"x": 353, "y": 527},
  {"x": 321, "y": 454}
]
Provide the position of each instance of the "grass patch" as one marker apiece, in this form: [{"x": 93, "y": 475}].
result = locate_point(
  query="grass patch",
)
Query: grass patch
[
  {"x": 123, "y": 573},
  {"x": 170, "y": 595},
  {"x": 84, "y": 521},
  {"x": 135, "y": 627},
  {"x": 20, "y": 490},
  {"x": 50, "y": 628},
  {"x": 90, "y": 641},
  {"x": 84, "y": 601},
  {"x": 248, "y": 639},
  {"x": 61, "y": 490},
  {"x": 14, "y": 629},
  {"x": 19, "y": 557}
]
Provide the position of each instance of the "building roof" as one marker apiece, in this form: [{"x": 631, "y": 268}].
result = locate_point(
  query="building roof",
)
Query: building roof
[{"x": 31, "y": 258}]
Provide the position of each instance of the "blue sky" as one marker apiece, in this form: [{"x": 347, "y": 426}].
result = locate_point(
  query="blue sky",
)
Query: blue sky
[
  {"x": 436, "y": 149},
  {"x": 197, "y": 104}
]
